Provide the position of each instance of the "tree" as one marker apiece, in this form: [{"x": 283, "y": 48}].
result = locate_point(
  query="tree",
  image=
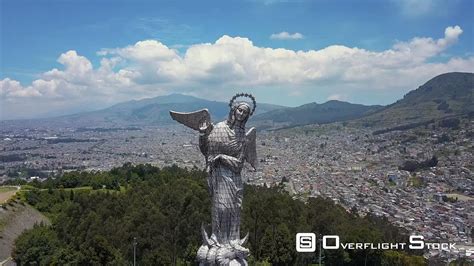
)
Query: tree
[
  {"x": 35, "y": 246},
  {"x": 395, "y": 258},
  {"x": 99, "y": 251}
]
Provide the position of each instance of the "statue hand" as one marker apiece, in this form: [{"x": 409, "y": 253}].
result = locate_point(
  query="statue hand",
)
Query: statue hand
[
  {"x": 215, "y": 159},
  {"x": 205, "y": 127}
]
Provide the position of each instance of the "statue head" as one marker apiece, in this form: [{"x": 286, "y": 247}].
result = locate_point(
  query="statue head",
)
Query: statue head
[{"x": 240, "y": 112}]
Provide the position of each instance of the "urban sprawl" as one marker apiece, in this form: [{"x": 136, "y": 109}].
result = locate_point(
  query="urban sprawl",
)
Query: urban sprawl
[{"x": 352, "y": 166}]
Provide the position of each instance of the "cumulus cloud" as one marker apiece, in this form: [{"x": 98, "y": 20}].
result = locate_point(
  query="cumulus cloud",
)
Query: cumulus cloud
[
  {"x": 148, "y": 50},
  {"x": 78, "y": 79},
  {"x": 12, "y": 88},
  {"x": 286, "y": 36},
  {"x": 150, "y": 68},
  {"x": 423, "y": 48}
]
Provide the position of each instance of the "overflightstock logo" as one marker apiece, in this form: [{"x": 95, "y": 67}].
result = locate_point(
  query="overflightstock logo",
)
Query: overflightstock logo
[{"x": 306, "y": 242}]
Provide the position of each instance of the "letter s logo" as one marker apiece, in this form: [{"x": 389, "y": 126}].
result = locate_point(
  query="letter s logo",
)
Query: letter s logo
[
  {"x": 305, "y": 242},
  {"x": 417, "y": 242}
]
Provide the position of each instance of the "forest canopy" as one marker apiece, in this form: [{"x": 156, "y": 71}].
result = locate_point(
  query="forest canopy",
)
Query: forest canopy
[{"x": 95, "y": 217}]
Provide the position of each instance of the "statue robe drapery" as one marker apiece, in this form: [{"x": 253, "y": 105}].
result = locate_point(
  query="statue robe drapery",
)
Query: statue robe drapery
[{"x": 225, "y": 182}]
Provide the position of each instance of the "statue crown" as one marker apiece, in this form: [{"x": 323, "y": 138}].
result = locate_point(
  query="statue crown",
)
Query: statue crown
[{"x": 248, "y": 95}]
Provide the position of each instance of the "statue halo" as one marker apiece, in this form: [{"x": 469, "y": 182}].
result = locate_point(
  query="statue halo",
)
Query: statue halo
[{"x": 248, "y": 95}]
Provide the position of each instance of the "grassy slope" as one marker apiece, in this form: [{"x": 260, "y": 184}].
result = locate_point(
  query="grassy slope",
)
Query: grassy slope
[{"x": 16, "y": 217}]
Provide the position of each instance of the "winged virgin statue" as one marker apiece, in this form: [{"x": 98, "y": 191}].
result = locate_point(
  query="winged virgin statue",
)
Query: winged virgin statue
[{"x": 226, "y": 147}]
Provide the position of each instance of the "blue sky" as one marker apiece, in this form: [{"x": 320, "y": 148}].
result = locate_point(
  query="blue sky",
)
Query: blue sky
[{"x": 358, "y": 51}]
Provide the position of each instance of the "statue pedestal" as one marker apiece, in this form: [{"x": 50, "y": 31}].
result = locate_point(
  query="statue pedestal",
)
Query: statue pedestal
[
  {"x": 238, "y": 262},
  {"x": 231, "y": 253},
  {"x": 222, "y": 255},
  {"x": 235, "y": 262}
]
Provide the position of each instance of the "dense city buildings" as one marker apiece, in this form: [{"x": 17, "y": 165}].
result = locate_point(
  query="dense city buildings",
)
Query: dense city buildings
[{"x": 362, "y": 171}]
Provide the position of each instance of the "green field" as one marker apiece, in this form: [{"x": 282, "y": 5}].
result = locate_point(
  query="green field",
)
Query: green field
[{"x": 6, "y": 189}]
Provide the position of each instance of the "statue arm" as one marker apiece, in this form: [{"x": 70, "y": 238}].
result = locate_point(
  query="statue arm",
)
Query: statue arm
[{"x": 205, "y": 129}]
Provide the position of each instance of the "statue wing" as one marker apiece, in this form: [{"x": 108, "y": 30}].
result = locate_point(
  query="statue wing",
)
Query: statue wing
[
  {"x": 192, "y": 119},
  {"x": 251, "y": 147}
]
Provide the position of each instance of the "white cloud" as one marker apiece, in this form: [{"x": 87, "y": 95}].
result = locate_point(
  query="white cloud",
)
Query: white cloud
[
  {"x": 423, "y": 48},
  {"x": 338, "y": 97},
  {"x": 286, "y": 36},
  {"x": 150, "y": 68},
  {"x": 12, "y": 88},
  {"x": 148, "y": 50},
  {"x": 77, "y": 80}
]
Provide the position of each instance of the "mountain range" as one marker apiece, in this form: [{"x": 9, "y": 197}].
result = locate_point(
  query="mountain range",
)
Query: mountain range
[
  {"x": 446, "y": 95},
  {"x": 153, "y": 111}
]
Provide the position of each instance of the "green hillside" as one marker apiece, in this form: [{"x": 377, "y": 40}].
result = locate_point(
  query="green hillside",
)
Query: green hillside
[
  {"x": 446, "y": 95},
  {"x": 313, "y": 113}
]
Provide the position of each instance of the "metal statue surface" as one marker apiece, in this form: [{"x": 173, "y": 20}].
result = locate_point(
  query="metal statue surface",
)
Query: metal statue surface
[{"x": 226, "y": 146}]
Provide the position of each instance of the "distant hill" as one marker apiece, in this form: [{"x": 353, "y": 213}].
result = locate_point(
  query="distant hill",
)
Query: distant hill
[
  {"x": 152, "y": 111},
  {"x": 312, "y": 113},
  {"x": 449, "y": 94}
]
